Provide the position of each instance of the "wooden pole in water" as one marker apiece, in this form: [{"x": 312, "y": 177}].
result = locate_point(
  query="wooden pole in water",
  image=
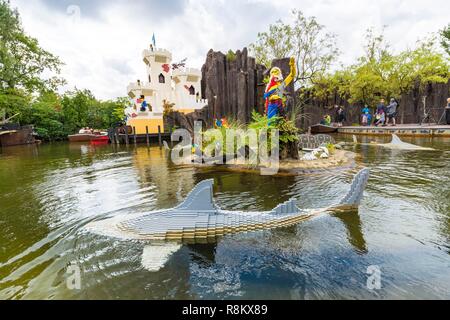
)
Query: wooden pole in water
[
  {"x": 127, "y": 138},
  {"x": 159, "y": 136},
  {"x": 134, "y": 133},
  {"x": 116, "y": 135},
  {"x": 146, "y": 136}
]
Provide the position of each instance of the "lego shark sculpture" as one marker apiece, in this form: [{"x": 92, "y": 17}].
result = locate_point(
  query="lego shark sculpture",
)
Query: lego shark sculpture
[
  {"x": 199, "y": 220},
  {"x": 396, "y": 143}
]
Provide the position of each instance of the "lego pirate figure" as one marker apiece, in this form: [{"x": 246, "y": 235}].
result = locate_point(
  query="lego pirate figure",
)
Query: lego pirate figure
[{"x": 275, "y": 90}]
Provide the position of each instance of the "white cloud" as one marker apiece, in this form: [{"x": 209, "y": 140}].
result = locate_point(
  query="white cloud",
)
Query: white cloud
[{"x": 102, "y": 49}]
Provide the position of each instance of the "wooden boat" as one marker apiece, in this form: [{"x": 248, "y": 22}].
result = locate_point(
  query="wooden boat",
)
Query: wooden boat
[
  {"x": 321, "y": 128},
  {"x": 16, "y": 136},
  {"x": 13, "y": 134},
  {"x": 85, "y": 137}
]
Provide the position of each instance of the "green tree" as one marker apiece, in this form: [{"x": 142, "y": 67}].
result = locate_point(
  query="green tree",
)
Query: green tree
[
  {"x": 305, "y": 39},
  {"x": 46, "y": 116},
  {"x": 445, "y": 38},
  {"x": 381, "y": 74},
  {"x": 103, "y": 114},
  {"x": 75, "y": 108},
  {"x": 273, "y": 44},
  {"x": 22, "y": 61},
  {"x": 13, "y": 101}
]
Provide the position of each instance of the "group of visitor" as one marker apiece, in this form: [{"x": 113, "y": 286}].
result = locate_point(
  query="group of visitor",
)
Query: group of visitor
[
  {"x": 86, "y": 130},
  {"x": 383, "y": 116},
  {"x": 339, "y": 119}
]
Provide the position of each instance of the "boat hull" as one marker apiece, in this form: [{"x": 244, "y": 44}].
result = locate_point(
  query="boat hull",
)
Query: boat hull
[
  {"x": 320, "y": 128},
  {"x": 20, "y": 136},
  {"x": 102, "y": 140},
  {"x": 83, "y": 137}
]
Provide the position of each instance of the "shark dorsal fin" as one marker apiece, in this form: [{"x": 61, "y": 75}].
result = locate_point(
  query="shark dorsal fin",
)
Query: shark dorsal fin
[
  {"x": 289, "y": 207},
  {"x": 200, "y": 198},
  {"x": 396, "y": 139}
]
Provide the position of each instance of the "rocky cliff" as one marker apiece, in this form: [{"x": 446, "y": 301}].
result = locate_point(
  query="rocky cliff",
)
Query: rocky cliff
[{"x": 233, "y": 85}]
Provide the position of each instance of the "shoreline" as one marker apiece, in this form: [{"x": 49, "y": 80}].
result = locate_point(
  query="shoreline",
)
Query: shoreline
[{"x": 340, "y": 160}]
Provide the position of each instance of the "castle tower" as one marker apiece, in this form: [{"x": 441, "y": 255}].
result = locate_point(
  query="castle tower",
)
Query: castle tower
[
  {"x": 181, "y": 87},
  {"x": 187, "y": 89},
  {"x": 159, "y": 69}
]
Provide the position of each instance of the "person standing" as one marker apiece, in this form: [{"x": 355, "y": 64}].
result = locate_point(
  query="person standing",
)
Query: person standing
[
  {"x": 365, "y": 115},
  {"x": 391, "y": 112},
  {"x": 340, "y": 116}
]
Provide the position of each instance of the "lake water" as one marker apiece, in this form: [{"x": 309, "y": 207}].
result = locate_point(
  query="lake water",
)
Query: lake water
[{"x": 48, "y": 194}]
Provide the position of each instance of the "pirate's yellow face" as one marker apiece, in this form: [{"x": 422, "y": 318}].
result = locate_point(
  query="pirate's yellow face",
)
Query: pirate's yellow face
[{"x": 276, "y": 74}]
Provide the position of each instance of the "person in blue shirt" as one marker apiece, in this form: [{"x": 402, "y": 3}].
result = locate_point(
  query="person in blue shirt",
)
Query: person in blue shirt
[{"x": 365, "y": 115}]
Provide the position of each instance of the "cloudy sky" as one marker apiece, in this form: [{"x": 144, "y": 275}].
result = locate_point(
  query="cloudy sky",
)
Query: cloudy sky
[{"x": 101, "y": 41}]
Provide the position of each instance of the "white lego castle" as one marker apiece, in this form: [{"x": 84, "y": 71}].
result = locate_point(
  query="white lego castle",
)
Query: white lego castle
[{"x": 181, "y": 87}]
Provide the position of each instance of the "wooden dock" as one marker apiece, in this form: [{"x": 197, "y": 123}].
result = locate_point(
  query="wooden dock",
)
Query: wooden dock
[
  {"x": 411, "y": 130},
  {"x": 129, "y": 136}
]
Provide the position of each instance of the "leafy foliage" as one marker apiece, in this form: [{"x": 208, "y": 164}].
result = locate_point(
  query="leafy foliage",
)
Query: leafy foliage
[
  {"x": 445, "y": 38},
  {"x": 381, "y": 74},
  {"x": 231, "y": 56},
  {"x": 22, "y": 61},
  {"x": 305, "y": 39},
  {"x": 168, "y": 107}
]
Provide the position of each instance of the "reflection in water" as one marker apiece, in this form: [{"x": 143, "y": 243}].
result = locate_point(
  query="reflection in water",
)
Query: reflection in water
[
  {"x": 353, "y": 224},
  {"x": 49, "y": 192}
]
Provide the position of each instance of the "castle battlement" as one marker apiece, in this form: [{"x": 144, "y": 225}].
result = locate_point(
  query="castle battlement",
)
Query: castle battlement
[{"x": 187, "y": 72}]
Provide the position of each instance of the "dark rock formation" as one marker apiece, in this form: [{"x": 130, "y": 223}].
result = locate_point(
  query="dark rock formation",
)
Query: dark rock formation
[
  {"x": 187, "y": 121},
  {"x": 233, "y": 85}
]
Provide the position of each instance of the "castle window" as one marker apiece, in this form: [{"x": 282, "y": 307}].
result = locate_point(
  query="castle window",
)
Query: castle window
[
  {"x": 162, "y": 79},
  {"x": 192, "y": 91},
  {"x": 149, "y": 79}
]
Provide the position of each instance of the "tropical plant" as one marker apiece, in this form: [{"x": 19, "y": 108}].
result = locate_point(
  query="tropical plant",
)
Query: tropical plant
[{"x": 168, "y": 107}]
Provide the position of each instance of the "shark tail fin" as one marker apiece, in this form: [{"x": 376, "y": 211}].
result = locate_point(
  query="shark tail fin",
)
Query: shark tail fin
[
  {"x": 200, "y": 198},
  {"x": 354, "y": 196},
  {"x": 289, "y": 207}
]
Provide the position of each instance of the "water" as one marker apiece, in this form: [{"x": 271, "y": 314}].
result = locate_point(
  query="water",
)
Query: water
[{"x": 50, "y": 192}]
